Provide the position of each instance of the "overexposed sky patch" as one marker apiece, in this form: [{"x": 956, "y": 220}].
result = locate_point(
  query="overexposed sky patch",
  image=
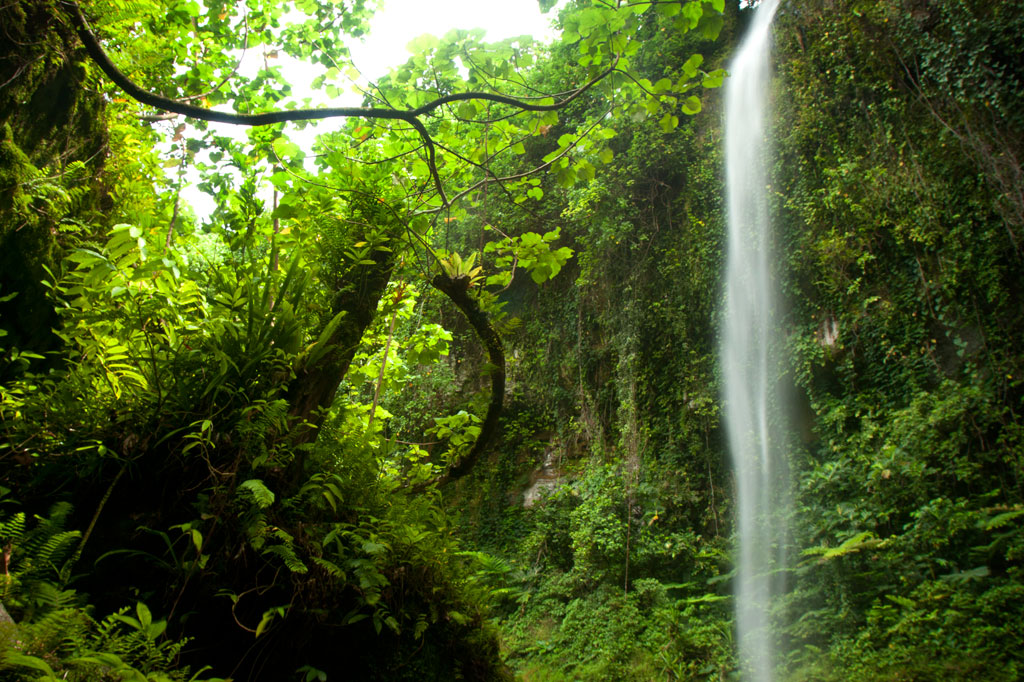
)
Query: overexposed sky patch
[{"x": 397, "y": 22}]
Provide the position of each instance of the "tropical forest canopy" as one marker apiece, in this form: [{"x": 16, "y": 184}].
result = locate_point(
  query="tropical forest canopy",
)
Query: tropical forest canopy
[{"x": 437, "y": 396}]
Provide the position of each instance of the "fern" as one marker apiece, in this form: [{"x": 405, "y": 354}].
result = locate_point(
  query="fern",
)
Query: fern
[
  {"x": 48, "y": 543},
  {"x": 118, "y": 11},
  {"x": 324, "y": 487},
  {"x": 138, "y": 641},
  {"x": 12, "y": 529},
  {"x": 260, "y": 418},
  {"x": 332, "y": 568},
  {"x": 69, "y": 645},
  {"x": 57, "y": 547},
  {"x": 50, "y": 597},
  {"x": 57, "y": 634},
  {"x": 286, "y": 552},
  {"x": 261, "y": 494},
  {"x": 39, "y": 561},
  {"x": 862, "y": 540},
  {"x": 1000, "y": 520}
]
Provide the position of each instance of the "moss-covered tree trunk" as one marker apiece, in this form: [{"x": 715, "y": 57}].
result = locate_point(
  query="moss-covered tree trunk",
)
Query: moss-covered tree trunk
[{"x": 48, "y": 122}]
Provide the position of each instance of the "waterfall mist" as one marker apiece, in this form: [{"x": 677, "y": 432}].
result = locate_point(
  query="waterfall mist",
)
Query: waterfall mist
[{"x": 748, "y": 348}]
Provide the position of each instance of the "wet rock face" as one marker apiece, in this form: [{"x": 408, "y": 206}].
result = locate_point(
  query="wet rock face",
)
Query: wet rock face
[{"x": 546, "y": 479}]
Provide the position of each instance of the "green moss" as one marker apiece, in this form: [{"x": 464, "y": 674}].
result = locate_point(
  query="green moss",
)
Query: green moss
[
  {"x": 27, "y": 244},
  {"x": 50, "y": 125}
]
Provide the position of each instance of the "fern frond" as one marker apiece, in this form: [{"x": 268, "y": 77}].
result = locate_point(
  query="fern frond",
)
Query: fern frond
[
  {"x": 332, "y": 568},
  {"x": 1003, "y": 519},
  {"x": 50, "y": 596},
  {"x": 12, "y": 529},
  {"x": 288, "y": 555},
  {"x": 57, "y": 547}
]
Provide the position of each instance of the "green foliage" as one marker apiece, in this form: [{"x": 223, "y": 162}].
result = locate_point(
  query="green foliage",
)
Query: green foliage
[
  {"x": 54, "y": 635},
  {"x": 610, "y": 567},
  {"x": 261, "y": 495},
  {"x": 236, "y": 410},
  {"x": 901, "y": 255},
  {"x": 460, "y": 430},
  {"x": 457, "y": 268},
  {"x": 532, "y": 252},
  {"x": 901, "y": 266},
  {"x": 38, "y": 560}
]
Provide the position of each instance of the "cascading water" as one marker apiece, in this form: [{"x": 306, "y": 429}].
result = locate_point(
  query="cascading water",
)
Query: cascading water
[{"x": 747, "y": 352}]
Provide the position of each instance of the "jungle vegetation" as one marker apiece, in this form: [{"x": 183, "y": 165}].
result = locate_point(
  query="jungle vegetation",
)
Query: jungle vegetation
[{"x": 292, "y": 439}]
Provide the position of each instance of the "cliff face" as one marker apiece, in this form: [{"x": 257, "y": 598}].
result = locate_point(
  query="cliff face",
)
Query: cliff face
[
  {"x": 898, "y": 172},
  {"x": 898, "y": 140}
]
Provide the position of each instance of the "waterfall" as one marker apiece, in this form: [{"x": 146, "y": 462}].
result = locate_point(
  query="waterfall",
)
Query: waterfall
[{"x": 748, "y": 348}]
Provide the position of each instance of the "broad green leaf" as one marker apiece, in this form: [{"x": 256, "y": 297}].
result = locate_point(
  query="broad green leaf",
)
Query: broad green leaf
[
  {"x": 711, "y": 26},
  {"x": 197, "y": 539},
  {"x": 714, "y": 79},
  {"x": 286, "y": 149},
  {"x": 145, "y": 617},
  {"x": 692, "y": 12},
  {"x": 691, "y": 65}
]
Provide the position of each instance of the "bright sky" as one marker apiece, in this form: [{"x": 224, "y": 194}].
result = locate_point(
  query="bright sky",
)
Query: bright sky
[
  {"x": 399, "y": 21},
  {"x": 394, "y": 25}
]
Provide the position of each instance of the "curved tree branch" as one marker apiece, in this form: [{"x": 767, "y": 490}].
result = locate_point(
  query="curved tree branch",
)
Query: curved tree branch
[
  {"x": 431, "y": 157},
  {"x": 410, "y": 116},
  {"x": 457, "y": 289}
]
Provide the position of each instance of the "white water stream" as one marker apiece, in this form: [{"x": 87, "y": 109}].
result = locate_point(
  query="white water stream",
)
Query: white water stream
[{"x": 748, "y": 349}]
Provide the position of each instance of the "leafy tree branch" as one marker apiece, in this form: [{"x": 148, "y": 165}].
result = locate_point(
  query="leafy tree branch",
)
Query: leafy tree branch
[{"x": 410, "y": 116}]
